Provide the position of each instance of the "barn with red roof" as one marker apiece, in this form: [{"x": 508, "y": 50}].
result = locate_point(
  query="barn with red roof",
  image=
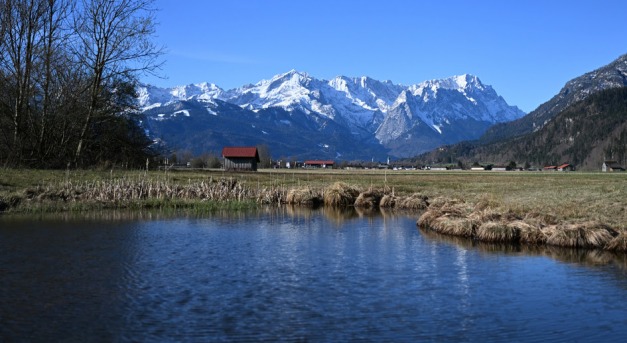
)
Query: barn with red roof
[{"x": 240, "y": 158}]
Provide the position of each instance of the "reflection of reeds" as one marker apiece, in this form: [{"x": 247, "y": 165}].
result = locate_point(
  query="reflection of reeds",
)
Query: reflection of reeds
[
  {"x": 367, "y": 211},
  {"x": 340, "y": 214},
  {"x": 589, "y": 257}
]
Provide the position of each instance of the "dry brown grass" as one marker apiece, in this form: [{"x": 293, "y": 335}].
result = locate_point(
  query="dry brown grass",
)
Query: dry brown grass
[
  {"x": 529, "y": 233},
  {"x": 451, "y": 225},
  {"x": 388, "y": 201},
  {"x": 305, "y": 196},
  {"x": 119, "y": 190},
  {"x": 581, "y": 235},
  {"x": 369, "y": 199},
  {"x": 618, "y": 243},
  {"x": 492, "y": 225},
  {"x": 498, "y": 232},
  {"x": 340, "y": 194},
  {"x": 442, "y": 210},
  {"x": 415, "y": 201}
]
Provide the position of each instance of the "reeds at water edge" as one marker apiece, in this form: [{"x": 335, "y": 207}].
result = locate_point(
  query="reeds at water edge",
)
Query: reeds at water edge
[
  {"x": 488, "y": 225},
  {"x": 575, "y": 210}
]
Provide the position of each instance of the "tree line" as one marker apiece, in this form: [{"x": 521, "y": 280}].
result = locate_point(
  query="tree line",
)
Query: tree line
[{"x": 68, "y": 74}]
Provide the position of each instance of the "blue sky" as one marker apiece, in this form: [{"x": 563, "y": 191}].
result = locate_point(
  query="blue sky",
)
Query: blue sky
[{"x": 526, "y": 50}]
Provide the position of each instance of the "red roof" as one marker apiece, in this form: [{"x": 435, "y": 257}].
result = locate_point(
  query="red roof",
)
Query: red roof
[
  {"x": 563, "y": 166},
  {"x": 317, "y": 162},
  {"x": 240, "y": 151}
]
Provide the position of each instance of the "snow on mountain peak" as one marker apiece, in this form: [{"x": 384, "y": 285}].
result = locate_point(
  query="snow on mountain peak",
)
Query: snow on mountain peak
[
  {"x": 457, "y": 82},
  {"x": 286, "y": 90},
  {"x": 149, "y": 96},
  {"x": 358, "y": 100},
  {"x": 405, "y": 119}
]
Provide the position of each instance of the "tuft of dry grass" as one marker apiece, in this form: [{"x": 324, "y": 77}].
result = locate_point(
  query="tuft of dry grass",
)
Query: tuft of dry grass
[
  {"x": 415, "y": 201},
  {"x": 451, "y": 225},
  {"x": 483, "y": 215},
  {"x": 496, "y": 226},
  {"x": 618, "y": 243},
  {"x": 369, "y": 199},
  {"x": 340, "y": 194},
  {"x": 305, "y": 196},
  {"x": 441, "y": 208},
  {"x": 498, "y": 232},
  {"x": 529, "y": 233},
  {"x": 581, "y": 235},
  {"x": 388, "y": 201}
]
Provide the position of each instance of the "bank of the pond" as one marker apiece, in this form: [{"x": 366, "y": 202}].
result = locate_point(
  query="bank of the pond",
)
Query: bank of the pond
[
  {"x": 210, "y": 195},
  {"x": 483, "y": 223},
  {"x": 571, "y": 210}
]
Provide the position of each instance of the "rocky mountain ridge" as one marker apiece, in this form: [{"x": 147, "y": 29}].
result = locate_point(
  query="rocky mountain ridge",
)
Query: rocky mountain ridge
[{"x": 398, "y": 120}]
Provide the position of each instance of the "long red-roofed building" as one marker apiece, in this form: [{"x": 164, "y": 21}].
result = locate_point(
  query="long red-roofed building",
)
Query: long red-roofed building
[
  {"x": 319, "y": 164},
  {"x": 240, "y": 158}
]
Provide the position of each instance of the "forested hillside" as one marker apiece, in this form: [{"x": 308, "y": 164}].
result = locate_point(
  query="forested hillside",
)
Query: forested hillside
[
  {"x": 584, "y": 134},
  {"x": 612, "y": 75}
]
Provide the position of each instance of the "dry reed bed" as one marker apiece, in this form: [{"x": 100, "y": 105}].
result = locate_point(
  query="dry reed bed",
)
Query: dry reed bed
[
  {"x": 482, "y": 223},
  {"x": 121, "y": 192},
  {"x": 340, "y": 195}
]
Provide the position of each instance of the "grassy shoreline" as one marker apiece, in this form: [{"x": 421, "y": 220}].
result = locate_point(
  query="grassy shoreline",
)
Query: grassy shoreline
[{"x": 558, "y": 198}]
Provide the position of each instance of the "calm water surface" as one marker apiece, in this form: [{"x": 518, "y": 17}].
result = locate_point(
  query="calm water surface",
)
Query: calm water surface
[{"x": 295, "y": 276}]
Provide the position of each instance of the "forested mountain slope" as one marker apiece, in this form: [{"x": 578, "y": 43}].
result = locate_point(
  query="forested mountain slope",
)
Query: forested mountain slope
[{"x": 584, "y": 134}]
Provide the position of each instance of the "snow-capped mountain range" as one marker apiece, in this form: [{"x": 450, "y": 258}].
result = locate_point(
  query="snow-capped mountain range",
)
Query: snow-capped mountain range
[{"x": 354, "y": 117}]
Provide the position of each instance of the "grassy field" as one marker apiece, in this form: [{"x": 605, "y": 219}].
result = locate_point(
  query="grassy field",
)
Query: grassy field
[{"x": 567, "y": 196}]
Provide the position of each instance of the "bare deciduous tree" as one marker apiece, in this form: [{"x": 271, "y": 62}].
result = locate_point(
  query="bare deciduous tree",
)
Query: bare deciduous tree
[
  {"x": 113, "y": 43},
  {"x": 21, "y": 39},
  {"x": 68, "y": 72}
]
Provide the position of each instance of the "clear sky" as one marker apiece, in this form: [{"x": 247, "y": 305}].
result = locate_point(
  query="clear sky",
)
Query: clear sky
[{"x": 527, "y": 50}]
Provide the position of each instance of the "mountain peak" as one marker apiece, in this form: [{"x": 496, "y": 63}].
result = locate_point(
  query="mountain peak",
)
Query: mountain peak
[
  {"x": 466, "y": 80},
  {"x": 459, "y": 82},
  {"x": 293, "y": 73}
]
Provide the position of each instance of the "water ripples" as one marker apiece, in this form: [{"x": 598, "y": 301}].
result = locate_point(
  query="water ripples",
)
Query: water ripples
[{"x": 276, "y": 277}]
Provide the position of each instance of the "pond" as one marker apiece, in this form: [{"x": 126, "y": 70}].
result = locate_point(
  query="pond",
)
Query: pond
[{"x": 294, "y": 275}]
